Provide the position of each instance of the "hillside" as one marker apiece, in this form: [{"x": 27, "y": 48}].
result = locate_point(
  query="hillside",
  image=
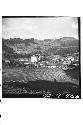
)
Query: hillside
[{"x": 57, "y": 46}]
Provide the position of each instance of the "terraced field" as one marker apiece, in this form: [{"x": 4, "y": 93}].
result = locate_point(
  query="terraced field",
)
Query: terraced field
[
  {"x": 26, "y": 74},
  {"x": 32, "y": 81}
]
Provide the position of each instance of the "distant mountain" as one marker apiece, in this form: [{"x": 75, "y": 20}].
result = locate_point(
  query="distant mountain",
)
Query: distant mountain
[
  {"x": 13, "y": 41},
  {"x": 68, "y": 41},
  {"x": 61, "y": 45}
]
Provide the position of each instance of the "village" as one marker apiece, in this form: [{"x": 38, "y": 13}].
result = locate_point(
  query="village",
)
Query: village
[{"x": 52, "y": 61}]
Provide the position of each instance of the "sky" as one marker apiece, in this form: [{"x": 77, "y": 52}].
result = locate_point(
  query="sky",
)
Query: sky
[{"x": 40, "y": 28}]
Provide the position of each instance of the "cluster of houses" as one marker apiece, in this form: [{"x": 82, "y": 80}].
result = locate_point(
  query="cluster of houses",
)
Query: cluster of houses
[{"x": 51, "y": 61}]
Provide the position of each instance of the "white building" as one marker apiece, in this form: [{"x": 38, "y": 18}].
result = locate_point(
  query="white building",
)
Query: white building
[
  {"x": 33, "y": 59},
  {"x": 70, "y": 58}
]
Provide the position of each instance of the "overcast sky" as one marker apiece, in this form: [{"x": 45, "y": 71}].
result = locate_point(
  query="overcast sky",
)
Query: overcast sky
[{"x": 40, "y": 28}]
